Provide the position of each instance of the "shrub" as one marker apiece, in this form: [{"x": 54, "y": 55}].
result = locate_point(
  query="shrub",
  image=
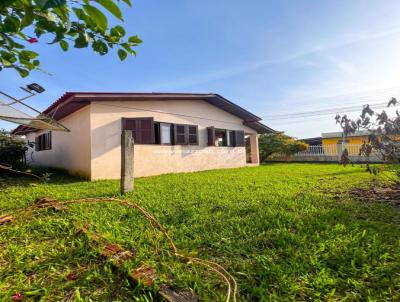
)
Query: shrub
[
  {"x": 274, "y": 143},
  {"x": 12, "y": 150}
]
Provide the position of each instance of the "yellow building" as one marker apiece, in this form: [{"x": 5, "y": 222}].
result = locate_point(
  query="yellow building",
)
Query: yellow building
[{"x": 334, "y": 142}]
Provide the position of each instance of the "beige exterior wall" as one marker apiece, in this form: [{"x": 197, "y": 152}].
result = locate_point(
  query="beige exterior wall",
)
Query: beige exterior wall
[
  {"x": 70, "y": 150},
  {"x": 105, "y": 123}
]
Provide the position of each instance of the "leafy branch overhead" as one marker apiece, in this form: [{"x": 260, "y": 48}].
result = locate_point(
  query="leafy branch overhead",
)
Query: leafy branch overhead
[{"x": 68, "y": 23}]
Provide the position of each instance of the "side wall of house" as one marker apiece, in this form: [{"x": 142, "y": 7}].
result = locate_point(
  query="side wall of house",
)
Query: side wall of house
[
  {"x": 70, "y": 150},
  {"x": 159, "y": 159}
]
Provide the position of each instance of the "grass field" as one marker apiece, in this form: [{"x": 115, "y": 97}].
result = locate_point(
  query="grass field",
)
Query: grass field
[{"x": 284, "y": 231}]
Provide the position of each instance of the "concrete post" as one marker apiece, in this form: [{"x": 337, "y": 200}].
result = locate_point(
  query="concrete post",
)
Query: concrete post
[
  {"x": 127, "y": 156},
  {"x": 254, "y": 154}
]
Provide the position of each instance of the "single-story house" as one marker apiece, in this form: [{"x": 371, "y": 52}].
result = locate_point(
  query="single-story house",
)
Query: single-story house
[
  {"x": 173, "y": 132},
  {"x": 332, "y": 142}
]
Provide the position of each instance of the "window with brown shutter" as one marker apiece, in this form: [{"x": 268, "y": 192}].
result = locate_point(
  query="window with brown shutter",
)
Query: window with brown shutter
[
  {"x": 220, "y": 138},
  {"x": 43, "y": 142},
  {"x": 225, "y": 138},
  {"x": 193, "y": 135},
  {"x": 180, "y": 134},
  {"x": 142, "y": 129}
]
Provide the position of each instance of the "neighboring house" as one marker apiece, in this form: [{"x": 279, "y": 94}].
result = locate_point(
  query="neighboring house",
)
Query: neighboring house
[
  {"x": 173, "y": 132},
  {"x": 312, "y": 141},
  {"x": 332, "y": 142}
]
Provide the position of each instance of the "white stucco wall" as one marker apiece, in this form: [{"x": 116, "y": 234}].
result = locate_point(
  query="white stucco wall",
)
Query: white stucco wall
[
  {"x": 70, "y": 150},
  {"x": 105, "y": 123}
]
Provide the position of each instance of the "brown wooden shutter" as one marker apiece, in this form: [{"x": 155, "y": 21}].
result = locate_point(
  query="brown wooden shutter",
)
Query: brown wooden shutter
[
  {"x": 180, "y": 134},
  {"x": 50, "y": 140},
  {"x": 37, "y": 143},
  {"x": 130, "y": 124},
  {"x": 239, "y": 138},
  {"x": 47, "y": 141},
  {"x": 193, "y": 135},
  {"x": 142, "y": 129},
  {"x": 232, "y": 138},
  {"x": 211, "y": 136},
  {"x": 41, "y": 142},
  {"x": 145, "y": 128}
]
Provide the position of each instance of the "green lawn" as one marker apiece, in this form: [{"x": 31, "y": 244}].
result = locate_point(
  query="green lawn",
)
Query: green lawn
[{"x": 284, "y": 231}]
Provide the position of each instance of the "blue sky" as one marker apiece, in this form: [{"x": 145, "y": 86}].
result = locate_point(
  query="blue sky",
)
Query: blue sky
[{"x": 271, "y": 57}]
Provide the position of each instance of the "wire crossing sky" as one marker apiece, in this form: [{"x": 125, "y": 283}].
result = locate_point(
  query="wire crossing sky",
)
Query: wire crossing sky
[{"x": 275, "y": 58}]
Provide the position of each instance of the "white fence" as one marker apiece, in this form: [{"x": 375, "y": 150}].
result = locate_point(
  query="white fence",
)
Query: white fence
[
  {"x": 327, "y": 153},
  {"x": 333, "y": 150}
]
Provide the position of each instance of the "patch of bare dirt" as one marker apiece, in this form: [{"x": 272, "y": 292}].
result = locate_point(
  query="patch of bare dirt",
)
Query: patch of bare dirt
[{"x": 387, "y": 194}]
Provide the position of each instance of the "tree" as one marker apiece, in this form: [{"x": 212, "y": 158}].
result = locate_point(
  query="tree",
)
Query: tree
[
  {"x": 12, "y": 150},
  {"x": 81, "y": 24},
  {"x": 279, "y": 142},
  {"x": 384, "y": 138}
]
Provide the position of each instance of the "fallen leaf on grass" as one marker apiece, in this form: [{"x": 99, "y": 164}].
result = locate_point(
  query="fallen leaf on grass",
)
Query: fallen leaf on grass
[
  {"x": 111, "y": 249},
  {"x": 144, "y": 275},
  {"x": 5, "y": 219}
]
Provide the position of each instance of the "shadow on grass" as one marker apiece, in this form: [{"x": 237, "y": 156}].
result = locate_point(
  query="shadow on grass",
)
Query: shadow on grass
[{"x": 54, "y": 176}]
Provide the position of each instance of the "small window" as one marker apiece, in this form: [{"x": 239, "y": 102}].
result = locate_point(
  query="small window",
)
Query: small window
[
  {"x": 165, "y": 134},
  {"x": 225, "y": 138},
  {"x": 220, "y": 137},
  {"x": 43, "y": 142}
]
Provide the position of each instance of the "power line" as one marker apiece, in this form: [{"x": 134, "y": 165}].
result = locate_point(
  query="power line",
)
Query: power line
[
  {"x": 361, "y": 100},
  {"x": 357, "y": 95},
  {"x": 322, "y": 112}
]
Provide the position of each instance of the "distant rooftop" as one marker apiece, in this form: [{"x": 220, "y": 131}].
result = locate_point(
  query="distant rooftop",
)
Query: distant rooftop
[{"x": 340, "y": 134}]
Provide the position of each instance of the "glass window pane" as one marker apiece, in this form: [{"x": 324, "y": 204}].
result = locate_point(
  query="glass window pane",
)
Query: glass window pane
[{"x": 165, "y": 133}]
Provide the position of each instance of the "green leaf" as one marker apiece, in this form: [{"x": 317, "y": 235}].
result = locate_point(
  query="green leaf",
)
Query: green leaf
[
  {"x": 128, "y": 2},
  {"x": 81, "y": 42},
  {"x": 97, "y": 16},
  {"x": 7, "y": 57},
  {"x": 122, "y": 54},
  {"x": 28, "y": 54},
  {"x": 46, "y": 4},
  {"x": 128, "y": 48},
  {"x": 134, "y": 40},
  {"x": 5, "y": 62},
  {"x": 5, "y": 3},
  {"x": 28, "y": 17},
  {"x": 100, "y": 47},
  {"x": 62, "y": 12},
  {"x": 22, "y": 71},
  {"x": 111, "y": 7},
  {"x": 118, "y": 31},
  {"x": 64, "y": 45},
  {"x": 11, "y": 25}
]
